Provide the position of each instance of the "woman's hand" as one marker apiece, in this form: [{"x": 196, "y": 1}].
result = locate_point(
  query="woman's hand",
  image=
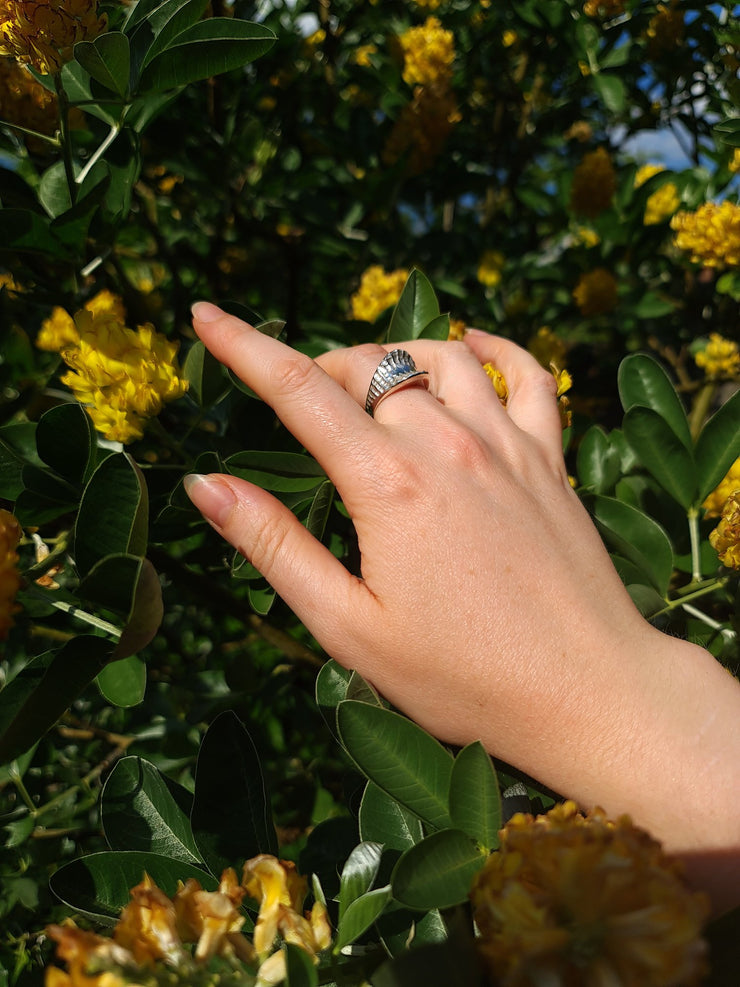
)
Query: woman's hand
[{"x": 487, "y": 606}]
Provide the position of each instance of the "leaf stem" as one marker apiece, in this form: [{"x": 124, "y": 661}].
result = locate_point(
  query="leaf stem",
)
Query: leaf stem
[
  {"x": 64, "y": 138},
  {"x": 54, "y": 141},
  {"x": 727, "y": 632},
  {"x": 83, "y": 615},
  {"x": 114, "y": 131},
  {"x": 695, "y": 537}
]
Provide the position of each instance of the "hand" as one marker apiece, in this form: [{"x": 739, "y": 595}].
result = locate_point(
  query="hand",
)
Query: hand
[{"x": 488, "y": 607}]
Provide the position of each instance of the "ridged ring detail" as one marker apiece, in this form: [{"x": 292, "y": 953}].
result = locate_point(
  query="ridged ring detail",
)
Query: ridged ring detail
[{"x": 396, "y": 368}]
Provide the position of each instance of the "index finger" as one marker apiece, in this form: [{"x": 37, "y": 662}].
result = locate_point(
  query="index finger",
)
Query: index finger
[{"x": 311, "y": 405}]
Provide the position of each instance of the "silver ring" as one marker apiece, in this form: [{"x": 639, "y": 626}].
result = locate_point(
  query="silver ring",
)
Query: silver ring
[{"x": 396, "y": 368}]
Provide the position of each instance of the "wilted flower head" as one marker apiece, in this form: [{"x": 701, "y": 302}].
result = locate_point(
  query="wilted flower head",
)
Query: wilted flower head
[
  {"x": 730, "y": 483},
  {"x": 596, "y": 292},
  {"x": 711, "y": 234},
  {"x": 573, "y": 899},
  {"x": 719, "y": 358},
  {"x": 10, "y": 580},
  {"x": 594, "y": 184},
  {"x": 725, "y": 539},
  {"x": 42, "y": 33},
  {"x": 379, "y": 289}
]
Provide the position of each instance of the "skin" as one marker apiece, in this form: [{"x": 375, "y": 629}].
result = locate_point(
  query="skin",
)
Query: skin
[{"x": 487, "y": 607}]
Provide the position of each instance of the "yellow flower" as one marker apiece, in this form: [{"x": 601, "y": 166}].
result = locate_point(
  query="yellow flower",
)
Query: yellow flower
[
  {"x": 734, "y": 164},
  {"x": 728, "y": 485},
  {"x": 711, "y": 234},
  {"x": 379, "y": 289},
  {"x": 580, "y": 131},
  {"x": 645, "y": 172},
  {"x": 564, "y": 382},
  {"x": 509, "y": 38},
  {"x": 498, "y": 381},
  {"x": 603, "y": 8},
  {"x": 147, "y": 927},
  {"x": 596, "y": 292},
  {"x": 573, "y": 899},
  {"x": 10, "y": 285},
  {"x": 124, "y": 377},
  {"x": 363, "y": 55},
  {"x": 587, "y": 237},
  {"x": 457, "y": 329},
  {"x": 594, "y": 184},
  {"x": 661, "y": 205},
  {"x": 725, "y": 539},
  {"x": 59, "y": 331},
  {"x": 213, "y": 919},
  {"x": 428, "y": 4},
  {"x": 10, "y": 580},
  {"x": 280, "y": 890},
  {"x": 665, "y": 30},
  {"x": 24, "y": 101},
  {"x": 719, "y": 358},
  {"x": 490, "y": 268},
  {"x": 42, "y": 33},
  {"x": 429, "y": 51}
]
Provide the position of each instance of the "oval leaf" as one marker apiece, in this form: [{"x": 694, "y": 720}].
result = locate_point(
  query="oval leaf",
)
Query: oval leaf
[
  {"x": 438, "y": 872},
  {"x": 358, "y": 873},
  {"x": 385, "y": 820},
  {"x": 123, "y": 682},
  {"x": 231, "y": 816},
  {"x": 66, "y": 441},
  {"x": 416, "y": 308},
  {"x": 718, "y": 446},
  {"x": 208, "y": 48},
  {"x": 662, "y": 453},
  {"x": 644, "y": 383},
  {"x": 637, "y": 538},
  {"x": 98, "y": 884},
  {"x": 142, "y": 809},
  {"x": 400, "y": 757},
  {"x": 107, "y": 59},
  {"x": 598, "y": 463},
  {"x": 475, "y": 800},
  {"x": 360, "y": 915}
]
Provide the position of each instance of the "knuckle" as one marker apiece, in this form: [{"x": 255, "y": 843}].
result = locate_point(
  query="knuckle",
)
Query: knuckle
[
  {"x": 294, "y": 373},
  {"x": 269, "y": 543},
  {"x": 465, "y": 450}
]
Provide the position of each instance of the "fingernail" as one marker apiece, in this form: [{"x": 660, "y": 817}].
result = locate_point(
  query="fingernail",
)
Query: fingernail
[
  {"x": 471, "y": 331},
  {"x": 206, "y": 312},
  {"x": 213, "y": 498}
]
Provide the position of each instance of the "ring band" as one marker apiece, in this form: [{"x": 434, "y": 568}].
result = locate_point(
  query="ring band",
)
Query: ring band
[{"x": 396, "y": 368}]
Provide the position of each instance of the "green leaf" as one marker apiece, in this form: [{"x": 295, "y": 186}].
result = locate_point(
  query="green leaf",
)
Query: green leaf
[
  {"x": 166, "y": 22},
  {"x": 54, "y": 191},
  {"x": 231, "y": 815},
  {"x": 443, "y": 964},
  {"x": 475, "y": 800},
  {"x": 205, "y": 375},
  {"x": 32, "y": 702},
  {"x": 643, "y": 383},
  {"x": 142, "y": 809},
  {"x": 261, "y": 597},
  {"x": 358, "y": 873},
  {"x": 662, "y": 453},
  {"x": 145, "y": 615},
  {"x": 718, "y": 446},
  {"x": 111, "y": 583},
  {"x": 300, "y": 970},
  {"x": 438, "y": 872},
  {"x": 44, "y": 497},
  {"x": 277, "y": 471},
  {"x": 17, "y": 448},
  {"x": 416, "y": 308},
  {"x": 318, "y": 513},
  {"x": 123, "y": 682},
  {"x": 208, "y": 48},
  {"x": 331, "y": 689},
  {"x": 645, "y": 598},
  {"x": 400, "y": 757},
  {"x": 386, "y": 821},
  {"x": 438, "y": 328},
  {"x": 611, "y": 91},
  {"x": 98, "y": 884},
  {"x": 360, "y": 915},
  {"x": 29, "y": 232},
  {"x": 107, "y": 59},
  {"x": 636, "y": 537},
  {"x": 67, "y": 442},
  {"x": 114, "y": 513},
  {"x": 598, "y": 463}
]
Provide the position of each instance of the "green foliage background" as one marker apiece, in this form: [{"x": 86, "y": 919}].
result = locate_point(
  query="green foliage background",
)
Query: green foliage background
[{"x": 214, "y": 163}]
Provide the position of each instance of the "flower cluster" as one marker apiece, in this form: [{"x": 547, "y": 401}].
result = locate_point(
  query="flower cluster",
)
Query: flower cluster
[
  {"x": 662, "y": 204},
  {"x": 711, "y": 234},
  {"x": 594, "y": 184},
  {"x": 725, "y": 539},
  {"x": 596, "y": 292},
  {"x": 184, "y": 933},
  {"x": 25, "y": 102},
  {"x": 718, "y": 497},
  {"x": 579, "y": 899},
  {"x": 665, "y": 29},
  {"x": 603, "y": 8},
  {"x": 719, "y": 358},
  {"x": 379, "y": 289},
  {"x": 428, "y": 54},
  {"x": 42, "y": 33},
  {"x": 490, "y": 268},
  {"x": 122, "y": 376},
  {"x": 10, "y": 580},
  {"x": 562, "y": 378}
]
